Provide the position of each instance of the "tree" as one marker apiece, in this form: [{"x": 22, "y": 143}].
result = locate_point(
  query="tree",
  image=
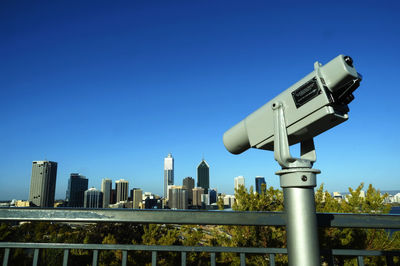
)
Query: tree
[
  {"x": 252, "y": 236},
  {"x": 110, "y": 257},
  {"x": 352, "y": 238}
]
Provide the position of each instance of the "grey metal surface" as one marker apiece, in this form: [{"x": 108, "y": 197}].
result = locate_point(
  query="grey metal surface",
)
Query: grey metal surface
[
  {"x": 360, "y": 260},
  {"x": 378, "y": 221},
  {"x": 183, "y": 258},
  {"x": 313, "y": 117},
  {"x": 302, "y": 235},
  {"x": 359, "y": 254},
  {"x": 247, "y": 250},
  {"x": 212, "y": 258},
  {"x": 6, "y": 255},
  {"x": 35, "y": 257},
  {"x": 124, "y": 257},
  {"x": 142, "y": 216},
  {"x": 154, "y": 258},
  {"x": 242, "y": 259},
  {"x": 95, "y": 257},
  {"x": 97, "y": 247},
  {"x": 388, "y": 221},
  {"x": 272, "y": 259},
  {"x": 65, "y": 258}
]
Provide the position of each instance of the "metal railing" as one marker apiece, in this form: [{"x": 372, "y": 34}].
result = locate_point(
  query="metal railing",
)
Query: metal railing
[{"x": 189, "y": 217}]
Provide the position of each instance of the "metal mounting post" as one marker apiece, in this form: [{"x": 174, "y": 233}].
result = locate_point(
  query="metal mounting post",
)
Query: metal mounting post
[{"x": 298, "y": 179}]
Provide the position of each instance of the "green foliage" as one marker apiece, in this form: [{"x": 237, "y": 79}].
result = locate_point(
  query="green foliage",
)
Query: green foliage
[
  {"x": 154, "y": 234},
  {"x": 252, "y": 236},
  {"x": 110, "y": 257},
  {"x": 190, "y": 235},
  {"x": 351, "y": 238}
]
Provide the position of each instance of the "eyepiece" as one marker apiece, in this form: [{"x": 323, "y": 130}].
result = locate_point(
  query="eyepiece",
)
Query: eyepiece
[{"x": 348, "y": 60}]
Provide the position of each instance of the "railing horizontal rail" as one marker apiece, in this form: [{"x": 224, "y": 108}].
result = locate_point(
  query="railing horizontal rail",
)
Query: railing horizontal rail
[
  {"x": 383, "y": 221},
  {"x": 247, "y": 250},
  {"x": 143, "y": 248}
]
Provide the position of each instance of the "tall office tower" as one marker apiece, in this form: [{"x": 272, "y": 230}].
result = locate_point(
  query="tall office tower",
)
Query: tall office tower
[
  {"x": 197, "y": 192},
  {"x": 43, "y": 183},
  {"x": 106, "y": 185},
  {"x": 203, "y": 176},
  {"x": 205, "y": 200},
  {"x": 188, "y": 184},
  {"x": 122, "y": 187},
  {"x": 239, "y": 181},
  {"x": 113, "y": 196},
  {"x": 168, "y": 173},
  {"x": 259, "y": 181},
  {"x": 178, "y": 198},
  {"x": 137, "y": 198},
  {"x": 93, "y": 198},
  {"x": 212, "y": 195},
  {"x": 77, "y": 185}
]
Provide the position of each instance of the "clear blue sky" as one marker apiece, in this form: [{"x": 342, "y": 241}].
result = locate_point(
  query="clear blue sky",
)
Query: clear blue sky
[{"x": 109, "y": 88}]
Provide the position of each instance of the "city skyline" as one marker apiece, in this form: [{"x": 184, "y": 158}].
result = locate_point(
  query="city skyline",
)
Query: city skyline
[
  {"x": 108, "y": 93},
  {"x": 236, "y": 180}
]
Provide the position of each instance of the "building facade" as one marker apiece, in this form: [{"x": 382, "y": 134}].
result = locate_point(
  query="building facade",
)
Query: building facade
[
  {"x": 113, "y": 196},
  {"x": 197, "y": 192},
  {"x": 137, "y": 198},
  {"x": 178, "y": 198},
  {"x": 43, "y": 183},
  {"x": 106, "y": 185},
  {"x": 239, "y": 181},
  {"x": 203, "y": 175},
  {"x": 93, "y": 198},
  {"x": 168, "y": 173},
  {"x": 188, "y": 184},
  {"x": 259, "y": 182},
  {"x": 77, "y": 185},
  {"x": 212, "y": 196},
  {"x": 122, "y": 188}
]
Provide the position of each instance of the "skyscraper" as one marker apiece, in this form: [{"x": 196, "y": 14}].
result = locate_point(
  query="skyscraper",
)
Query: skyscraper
[
  {"x": 77, "y": 185},
  {"x": 43, "y": 183},
  {"x": 212, "y": 195},
  {"x": 93, "y": 198},
  {"x": 203, "y": 176},
  {"x": 259, "y": 181},
  {"x": 106, "y": 185},
  {"x": 122, "y": 187},
  {"x": 178, "y": 197},
  {"x": 168, "y": 173},
  {"x": 239, "y": 181},
  {"x": 197, "y": 192},
  {"x": 188, "y": 184},
  {"x": 137, "y": 197}
]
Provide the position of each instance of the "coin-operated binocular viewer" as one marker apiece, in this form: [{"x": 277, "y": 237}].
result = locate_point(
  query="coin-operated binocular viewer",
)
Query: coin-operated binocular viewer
[{"x": 308, "y": 108}]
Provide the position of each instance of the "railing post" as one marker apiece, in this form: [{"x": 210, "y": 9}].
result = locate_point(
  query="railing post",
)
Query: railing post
[
  {"x": 35, "y": 257},
  {"x": 242, "y": 259},
  {"x": 124, "y": 257},
  {"x": 95, "y": 257},
  {"x": 153, "y": 258},
  {"x": 360, "y": 260},
  {"x": 183, "y": 258},
  {"x": 272, "y": 259},
  {"x": 65, "y": 259},
  {"x": 6, "y": 255},
  {"x": 212, "y": 258}
]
